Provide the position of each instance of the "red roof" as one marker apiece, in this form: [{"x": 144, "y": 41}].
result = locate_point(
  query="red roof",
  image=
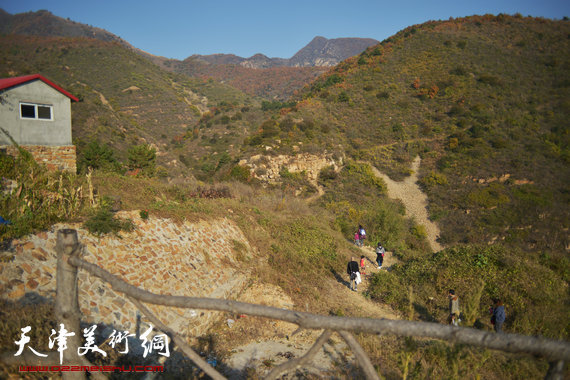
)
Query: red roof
[{"x": 15, "y": 81}]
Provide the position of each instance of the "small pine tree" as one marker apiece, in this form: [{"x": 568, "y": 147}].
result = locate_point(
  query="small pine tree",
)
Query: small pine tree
[
  {"x": 98, "y": 157},
  {"x": 143, "y": 158}
]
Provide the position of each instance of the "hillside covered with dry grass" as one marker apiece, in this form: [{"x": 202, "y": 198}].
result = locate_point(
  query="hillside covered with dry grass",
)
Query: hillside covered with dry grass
[{"x": 483, "y": 100}]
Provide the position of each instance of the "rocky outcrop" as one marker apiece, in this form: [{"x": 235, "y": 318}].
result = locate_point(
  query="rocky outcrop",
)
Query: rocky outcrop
[
  {"x": 188, "y": 259},
  {"x": 267, "y": 168},
  {"x": 324, "y": 52}
]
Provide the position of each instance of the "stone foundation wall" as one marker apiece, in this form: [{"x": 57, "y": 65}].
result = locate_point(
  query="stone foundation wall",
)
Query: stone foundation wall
[
  {"x": 54, "y": 157},
  {"x": 189, "y": 259}
]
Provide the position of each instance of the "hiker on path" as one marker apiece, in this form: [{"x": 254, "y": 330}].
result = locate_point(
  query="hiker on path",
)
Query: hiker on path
[
  {"x": 362, "y": 266},
  {"x": 380, "y": 251},
  {"x": 453, "y": 318},
  {"x": 498, "y": 317},
  {"x": 361, "y": 234},
  {"x": 353, "y": 272},
  {"x": 357, "y": 239}
]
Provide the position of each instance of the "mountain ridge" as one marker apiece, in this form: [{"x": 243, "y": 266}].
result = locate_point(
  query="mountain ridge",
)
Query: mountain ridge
[
  {"x": 258, "y": 75},
  {"x": 319, "y": 52}
]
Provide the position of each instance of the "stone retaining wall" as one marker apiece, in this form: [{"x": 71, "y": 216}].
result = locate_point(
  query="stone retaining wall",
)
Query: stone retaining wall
[
  {"x": 54, "y": 157},
  {"x": 189, "y": 259},
  {"x": 267, "y": 169}
]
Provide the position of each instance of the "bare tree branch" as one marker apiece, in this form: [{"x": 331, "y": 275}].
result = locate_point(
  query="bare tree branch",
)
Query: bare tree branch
[
  {"x": 186, "y": 349},
  {"x": 361, "y": 356},
  {"x": 295, "y": 363},
  {"x": 551, "y": 349}
]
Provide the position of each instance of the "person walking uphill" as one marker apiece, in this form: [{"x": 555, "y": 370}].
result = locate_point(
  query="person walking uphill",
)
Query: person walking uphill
[
  {"x": 453, "y": 318},
  {"x": 498, "y": 317},
  {"x": 352, "y": 270},
  {"x": 380, "y": 251},
  {"x": 361, "y": 234}
]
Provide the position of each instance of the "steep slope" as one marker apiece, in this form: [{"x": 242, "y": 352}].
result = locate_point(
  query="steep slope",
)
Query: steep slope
[
  {"x": 484, "y": 101},
  {"x": 480, "y": 99},
  {"x": 45, "y": 24},
  {"x": 125, "y": 100}
]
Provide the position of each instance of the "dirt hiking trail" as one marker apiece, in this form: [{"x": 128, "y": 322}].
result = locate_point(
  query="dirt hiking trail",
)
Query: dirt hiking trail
[
  {"x": 279, "y": 341},
  {"x": 414, "y": 200}
]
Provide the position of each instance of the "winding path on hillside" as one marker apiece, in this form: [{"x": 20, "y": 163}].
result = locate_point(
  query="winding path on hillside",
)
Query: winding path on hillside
[{"x": 414, "y": 200}]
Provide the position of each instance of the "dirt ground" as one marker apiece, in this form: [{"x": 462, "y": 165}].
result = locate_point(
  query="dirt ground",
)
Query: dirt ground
[
  {"x": 280, "y": 341},
  {"x": 414, "y": 200}
]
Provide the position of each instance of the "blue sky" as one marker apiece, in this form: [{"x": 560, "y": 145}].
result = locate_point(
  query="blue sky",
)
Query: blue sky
[{"x": 180, "y": 28}]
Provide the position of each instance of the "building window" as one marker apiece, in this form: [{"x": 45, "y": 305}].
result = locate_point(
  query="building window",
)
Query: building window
[{"x": 36, "y": 111}]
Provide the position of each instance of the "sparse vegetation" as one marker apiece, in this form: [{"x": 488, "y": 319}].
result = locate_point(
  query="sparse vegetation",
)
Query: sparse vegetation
[{"x": 492, "y": 138}]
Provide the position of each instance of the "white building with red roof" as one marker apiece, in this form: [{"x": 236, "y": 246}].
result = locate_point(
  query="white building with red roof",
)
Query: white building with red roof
[{"x": 36, "y": 113}]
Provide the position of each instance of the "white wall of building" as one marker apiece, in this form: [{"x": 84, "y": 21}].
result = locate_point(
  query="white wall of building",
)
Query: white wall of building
[{"x": 30, "y": 131}]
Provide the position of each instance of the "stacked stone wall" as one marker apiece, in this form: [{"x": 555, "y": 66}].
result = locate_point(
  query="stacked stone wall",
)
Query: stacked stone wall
[
  {"x": 189, "y": 259},
  {"x": 267, "y": 168},
  {"x": 54, "y": 157}
]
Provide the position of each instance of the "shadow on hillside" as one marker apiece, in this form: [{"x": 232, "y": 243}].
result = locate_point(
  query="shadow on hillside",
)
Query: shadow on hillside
[
  {"x": 424, "y": 314},
  {"x": 339, "y": 278}
]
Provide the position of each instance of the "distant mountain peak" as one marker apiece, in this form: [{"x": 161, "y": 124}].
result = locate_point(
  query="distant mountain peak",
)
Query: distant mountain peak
[
  {"x": 329, "y": 52},
  {"x": 319, "y": 52}
]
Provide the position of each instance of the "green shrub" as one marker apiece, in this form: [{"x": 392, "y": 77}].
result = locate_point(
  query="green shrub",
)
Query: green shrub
[
  {"x": 103, "y": 222},
  {"x": 240, "y": 173},
  {"x": 419, "y": 231},
  {"x": 434, "y": 178},
  {"x": 321, "y": 83},
  {"x": 343, "y": 97},
  {"x": 142, "y": 158},
  {"x": 327, "y": 173},
  {"x": 276, "y": 105},
  {"x": 488, "y": 197},
  {"x": 286, "y": 124},
  {"x": 98, "y": 157},
  {"x": 386, "y": 287},
  {"x": 459, "y": 70},
  {"x": 383, "y": 95},
  {"x": 254, "y": 140},
  {"x": 269, "y": 129}
]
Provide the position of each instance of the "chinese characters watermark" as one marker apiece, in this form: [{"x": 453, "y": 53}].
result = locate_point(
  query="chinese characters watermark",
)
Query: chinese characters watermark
[{"x": 158, "y": 343}]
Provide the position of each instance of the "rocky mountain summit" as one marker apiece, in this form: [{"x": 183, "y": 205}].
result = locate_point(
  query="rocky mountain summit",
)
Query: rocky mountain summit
[
  {"x": 319, "y": 52},
  {"x": 324, "y": 52}
]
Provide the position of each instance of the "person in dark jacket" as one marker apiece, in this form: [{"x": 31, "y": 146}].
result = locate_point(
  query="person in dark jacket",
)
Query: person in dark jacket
[
  {"x": 352, "y": 269},
  {"x": 380, "y": 251},
  {"x": 498, "y": 317},
  {"x": 453, "y": 318}
]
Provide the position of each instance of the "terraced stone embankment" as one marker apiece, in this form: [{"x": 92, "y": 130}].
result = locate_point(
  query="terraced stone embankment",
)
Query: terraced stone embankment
[{"x": 188, "y": 259}]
